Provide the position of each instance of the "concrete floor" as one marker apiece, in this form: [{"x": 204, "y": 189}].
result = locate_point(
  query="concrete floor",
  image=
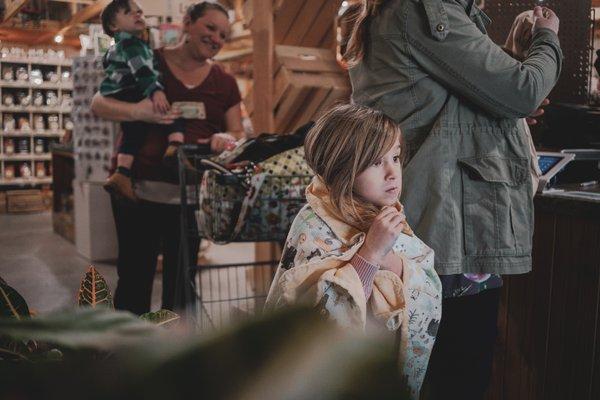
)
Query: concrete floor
[
  {"x": 43, "y": 266},
  {"x": 47, "y": 270}
]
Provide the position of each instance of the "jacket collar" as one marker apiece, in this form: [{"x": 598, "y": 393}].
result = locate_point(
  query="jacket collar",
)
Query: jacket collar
[{"x": 124, "y": 35}]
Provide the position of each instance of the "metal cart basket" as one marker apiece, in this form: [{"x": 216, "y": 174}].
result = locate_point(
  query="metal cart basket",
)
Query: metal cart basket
[{"x": 231, "y": 207}]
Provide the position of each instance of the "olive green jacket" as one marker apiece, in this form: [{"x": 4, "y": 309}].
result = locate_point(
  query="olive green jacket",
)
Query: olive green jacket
[{"x": 459, "y": 99}]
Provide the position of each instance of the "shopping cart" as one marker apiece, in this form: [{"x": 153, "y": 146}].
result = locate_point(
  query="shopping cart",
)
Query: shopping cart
[{"x": 230, "y": 207}]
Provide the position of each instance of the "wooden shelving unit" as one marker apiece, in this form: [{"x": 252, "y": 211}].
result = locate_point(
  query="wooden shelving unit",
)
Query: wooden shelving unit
[{"x": 33, "y": 135}]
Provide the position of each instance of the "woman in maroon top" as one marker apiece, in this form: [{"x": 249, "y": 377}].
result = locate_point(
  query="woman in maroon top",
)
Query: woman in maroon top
[{"x": 153, "y": 224}]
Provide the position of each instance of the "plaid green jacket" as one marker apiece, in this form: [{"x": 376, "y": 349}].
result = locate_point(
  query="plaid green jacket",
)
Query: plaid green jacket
[{"x": 130, "y": 64}]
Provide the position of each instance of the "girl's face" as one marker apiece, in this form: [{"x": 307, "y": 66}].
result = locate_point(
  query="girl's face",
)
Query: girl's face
[
  {"x": 208, "y": 34},
  {"x": 131, "y": 21},
  {"x": 381, "y": 183}
]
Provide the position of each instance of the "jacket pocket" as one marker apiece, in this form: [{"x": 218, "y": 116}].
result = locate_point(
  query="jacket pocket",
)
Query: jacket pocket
[{"x": 497, "y": 206}]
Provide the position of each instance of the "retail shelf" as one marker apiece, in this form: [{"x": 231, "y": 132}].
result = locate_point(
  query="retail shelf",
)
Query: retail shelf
[
  {"x": 37, "y": 61},
  {"x": 35, "y": 109},
  {"x": 26, "y": 157},
  {"x": 30, "y": 133},
  {"x": 24, "y": 182},
  {"x": 45, "y": 85}
]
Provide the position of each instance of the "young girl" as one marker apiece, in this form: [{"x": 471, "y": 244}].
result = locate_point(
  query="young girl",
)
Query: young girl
[{"x": 349, "y": 250}]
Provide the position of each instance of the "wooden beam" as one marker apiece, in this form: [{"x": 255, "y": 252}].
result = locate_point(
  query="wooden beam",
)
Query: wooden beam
[
  {"x": 11, "y": 7},
  {"x": 85, "y": 14}
]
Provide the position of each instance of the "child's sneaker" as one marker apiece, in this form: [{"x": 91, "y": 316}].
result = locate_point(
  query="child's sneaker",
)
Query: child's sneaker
[
  {"x": 120, "y": 185},
  {"x": 170, "y": 156}
]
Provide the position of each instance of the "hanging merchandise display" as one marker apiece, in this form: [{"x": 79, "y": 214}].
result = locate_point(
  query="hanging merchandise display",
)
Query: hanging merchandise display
[{"x": 93, "y": 137}]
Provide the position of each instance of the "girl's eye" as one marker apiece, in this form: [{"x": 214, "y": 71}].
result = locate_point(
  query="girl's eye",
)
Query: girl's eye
[
  {"x": 377, "y": 163},
  {"x": 397, "y": 158}
]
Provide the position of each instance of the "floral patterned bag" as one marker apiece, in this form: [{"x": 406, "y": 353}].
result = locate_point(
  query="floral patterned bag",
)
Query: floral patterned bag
[{"x": 255, "y": 204}]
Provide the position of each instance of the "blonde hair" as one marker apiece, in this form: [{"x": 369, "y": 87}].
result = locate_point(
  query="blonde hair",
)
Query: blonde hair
[
  {"x": 343, "y": 143},
  {"x": 356, "y": 50}
]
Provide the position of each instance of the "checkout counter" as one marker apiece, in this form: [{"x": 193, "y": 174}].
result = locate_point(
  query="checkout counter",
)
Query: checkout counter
[{"x": 549, "y": 320}]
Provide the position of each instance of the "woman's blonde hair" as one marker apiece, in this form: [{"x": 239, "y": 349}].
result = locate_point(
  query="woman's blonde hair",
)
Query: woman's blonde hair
[
  {"x": 357, "y": 49},
  {"x": 344, "y": 142}
]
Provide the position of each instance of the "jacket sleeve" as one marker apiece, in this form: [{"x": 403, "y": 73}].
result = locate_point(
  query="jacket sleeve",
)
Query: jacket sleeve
[
  {"x": 142, "y": 67},
  {"x": 467, "y": 62}
]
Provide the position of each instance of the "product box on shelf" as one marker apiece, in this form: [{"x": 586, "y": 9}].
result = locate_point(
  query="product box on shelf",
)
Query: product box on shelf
[{"x": 24, "y": 201}]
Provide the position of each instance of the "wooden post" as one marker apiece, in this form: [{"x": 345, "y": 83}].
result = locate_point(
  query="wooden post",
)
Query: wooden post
[
  {"x": 263, "y": 121},
  {"x": 262, "y": 35}
]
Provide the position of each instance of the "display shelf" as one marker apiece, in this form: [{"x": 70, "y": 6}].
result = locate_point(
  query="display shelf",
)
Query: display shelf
[
  {"x": 54, "y": 117},
  {"x": 63, "y": 62},
  {"x": 68, "y": 85},
  {"x": 24, "y": 182},
  {"x": 26, "y": 157},
  {"x": 44, "y": 133},
  {"x": 36, "y": 109}
]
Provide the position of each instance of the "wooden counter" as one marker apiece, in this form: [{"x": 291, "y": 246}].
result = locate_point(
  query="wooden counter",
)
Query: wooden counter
[{"x": 549, "y": 323}]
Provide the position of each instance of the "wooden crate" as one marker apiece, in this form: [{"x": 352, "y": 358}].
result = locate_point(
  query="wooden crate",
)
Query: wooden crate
[
  {"x": 309, "y": 23},
  {"x": 307, "y": 82},
  {"x": 24, "y": 201}
]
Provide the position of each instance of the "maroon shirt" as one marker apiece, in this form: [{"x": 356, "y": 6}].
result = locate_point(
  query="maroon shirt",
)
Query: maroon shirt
[{"x": 219, "y": 92}]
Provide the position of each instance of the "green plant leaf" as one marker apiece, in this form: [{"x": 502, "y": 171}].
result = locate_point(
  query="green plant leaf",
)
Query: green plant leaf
[
  {"x": 94, "y": 291},
  {"x": 164, "y": 318},
  {"x": 83, "y": 328},
  {"x": 12, "y": 304}
]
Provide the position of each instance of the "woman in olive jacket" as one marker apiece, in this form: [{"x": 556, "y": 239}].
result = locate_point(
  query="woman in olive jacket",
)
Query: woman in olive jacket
[{"x": 460, "y": 100}]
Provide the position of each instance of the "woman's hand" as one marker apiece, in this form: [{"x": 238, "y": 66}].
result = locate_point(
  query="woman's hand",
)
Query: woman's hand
[
  {"x": 219, "y": 142},
  {"x": 382, "y": 235},
  {"x": 543, "y": 17},
  {"x": 144, "y": 111},
  {"x": 121, "y": 111},
  {"x": 532, "y": 119}
]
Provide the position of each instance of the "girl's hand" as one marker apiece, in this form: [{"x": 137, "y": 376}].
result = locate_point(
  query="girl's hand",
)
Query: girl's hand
[
  {"x": 144, "y": 111},
  {"x": 545, "y": 18},
  {"x": 382, "y": 235},
  {"x": 160, "y": 102}
]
